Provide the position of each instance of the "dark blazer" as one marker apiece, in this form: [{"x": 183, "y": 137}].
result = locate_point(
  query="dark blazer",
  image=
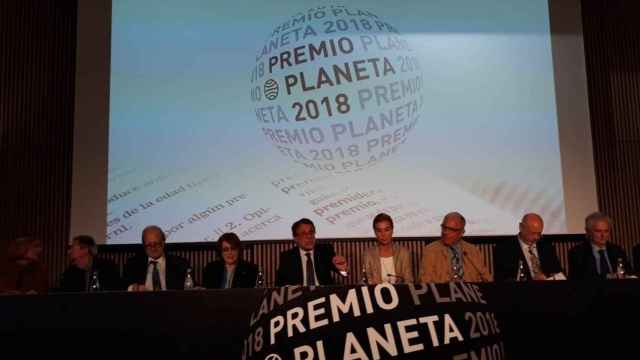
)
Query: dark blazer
[
  {"x": 508, "y": 253},
  {"x": 636, "y": 258},
  {"x": 74, "y": 279},
  {"x": 582, "y": 263},
  {"x": 290, "y": 268},
  {"x": 135, "y": 271},
  {"x": 244, "y": 276}
]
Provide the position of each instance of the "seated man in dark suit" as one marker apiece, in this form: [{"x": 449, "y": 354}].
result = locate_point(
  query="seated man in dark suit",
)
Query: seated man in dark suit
[
  {"x": 596, "y": 257},
  {"x": 308, "y": 263},
  {"x": 230, "y": 270},
  {"x": 538, "y": 256},
  {"x": 636, "y": 258},
  {"x": 154, "y": 270},
  {"x": 78, "y": 277}
]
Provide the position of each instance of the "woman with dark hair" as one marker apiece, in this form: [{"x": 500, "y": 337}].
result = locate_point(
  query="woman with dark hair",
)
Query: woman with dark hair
[
  {"x": 22, "y": 271},
  {"x": 386, "y": 261},
  {"x": 229, "y": 270}
]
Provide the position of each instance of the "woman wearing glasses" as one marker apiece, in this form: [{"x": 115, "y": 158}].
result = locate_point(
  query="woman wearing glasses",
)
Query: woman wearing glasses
[{"x": 230, "y": 270}]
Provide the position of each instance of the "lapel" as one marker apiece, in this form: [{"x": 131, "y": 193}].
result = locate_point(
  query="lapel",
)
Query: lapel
[
  {"x": 219, "y": 271},
  {"x": 445, "y": 269},
  {"x": 297, "y": 264},
  {"x": 237, "y": 274},
  {"x": 168, "y": 279},
  {"x": 613, "y": 255},
  {"x": 591, "y": 259},
  {"x": 317, "y": 265},
  {"x": 376, "y": 271},
  {"x": 397, "y": 265},
  {"x": 144, "y": 268}
]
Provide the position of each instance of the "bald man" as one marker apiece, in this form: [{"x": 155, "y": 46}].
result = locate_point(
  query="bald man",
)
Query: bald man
[
  {"x": 538, "y": 256},
  {"x": 450, "y": 258}
]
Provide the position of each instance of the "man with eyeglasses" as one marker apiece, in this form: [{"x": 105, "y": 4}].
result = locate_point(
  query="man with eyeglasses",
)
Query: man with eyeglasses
[
  {"x": 84, "y": 265},
  {"x": 308, "y": 264},
  {"x": 155, "y": 270},
  {"x": 450, "y": 258},
  {"x": 537, "y": 256}
]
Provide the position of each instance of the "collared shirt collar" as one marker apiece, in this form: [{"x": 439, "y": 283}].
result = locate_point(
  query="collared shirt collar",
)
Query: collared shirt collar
[{"x": 161, "y": 260}]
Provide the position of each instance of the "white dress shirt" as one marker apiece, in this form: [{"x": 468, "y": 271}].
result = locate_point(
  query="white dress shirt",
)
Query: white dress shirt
[
  {"x": 162, "y": 269},
  {"x": 387, "y": 267},
  {"x": 527, "y": 255}
]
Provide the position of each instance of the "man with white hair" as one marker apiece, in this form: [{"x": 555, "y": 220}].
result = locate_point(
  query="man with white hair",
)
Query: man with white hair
[{"x": 597, "y": 257}]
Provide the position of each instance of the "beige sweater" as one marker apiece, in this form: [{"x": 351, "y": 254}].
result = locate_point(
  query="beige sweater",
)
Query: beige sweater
[
  {"x": 402, "y": 263},
  {"x": 435, "y": 266}
]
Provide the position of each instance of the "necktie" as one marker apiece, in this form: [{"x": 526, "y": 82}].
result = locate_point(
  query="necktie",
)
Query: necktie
[
  {"x": 456, "y": 265},
  {"x": 155, "y": 276},
  {"x": 535, "y": 262},
  {"x": 604, "y": 267},
  {"x": 311, "y": 281}
]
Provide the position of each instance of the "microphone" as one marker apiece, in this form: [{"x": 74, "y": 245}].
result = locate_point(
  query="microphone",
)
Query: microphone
[
  {"x": 397, "y": 277},
  {"x": 473, "y": 263}
]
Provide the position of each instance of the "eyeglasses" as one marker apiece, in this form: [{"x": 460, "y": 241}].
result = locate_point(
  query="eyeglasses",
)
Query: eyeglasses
[
  {"x": 444, "y": 227},
  {"x": 228, "y": 249}
]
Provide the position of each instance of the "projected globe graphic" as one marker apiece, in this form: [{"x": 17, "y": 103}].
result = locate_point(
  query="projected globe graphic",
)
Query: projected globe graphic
[{"x": 336, "y": 89}]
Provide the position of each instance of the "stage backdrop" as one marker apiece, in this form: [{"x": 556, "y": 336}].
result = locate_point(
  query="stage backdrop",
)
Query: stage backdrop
[{"x": 244, "y": 116}]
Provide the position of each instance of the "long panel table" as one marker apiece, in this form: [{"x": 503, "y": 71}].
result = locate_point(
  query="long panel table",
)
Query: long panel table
[{"x": 552, "y": 320}]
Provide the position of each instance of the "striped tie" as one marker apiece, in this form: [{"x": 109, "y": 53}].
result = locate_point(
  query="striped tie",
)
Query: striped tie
[
  {"x": 535, "y": 262},
  {"x": 457, "y": 270}
]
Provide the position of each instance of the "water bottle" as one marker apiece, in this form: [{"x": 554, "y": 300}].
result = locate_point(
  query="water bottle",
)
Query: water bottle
[
  {"x": 620, "y": 269},
  {"x": 521, "y": 276},
  {"x": 188, "y": 280},
  {"x": 260, "y": 279},
  {"x": 94, "y": 282}
]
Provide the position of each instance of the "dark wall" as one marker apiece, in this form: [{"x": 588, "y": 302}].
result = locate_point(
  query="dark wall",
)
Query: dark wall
[
  {"x": 612, "y": 47},
  {"x": 37, "y": 64}
]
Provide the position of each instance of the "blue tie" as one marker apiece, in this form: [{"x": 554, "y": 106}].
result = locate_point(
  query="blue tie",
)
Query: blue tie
[{"x": 604, "y": 266}]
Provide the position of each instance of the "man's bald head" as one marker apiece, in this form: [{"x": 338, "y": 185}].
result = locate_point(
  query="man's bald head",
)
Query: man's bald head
[
  {"x": 531, "y": 227},
  {"x": 455, "y": 216}
]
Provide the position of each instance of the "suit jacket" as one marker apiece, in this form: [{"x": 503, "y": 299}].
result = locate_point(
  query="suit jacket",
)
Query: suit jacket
[
  {"x": 636, "y": 258},
  {"x": 74, "y": 279},
  {"x": 135, "y": 271},
  {"x": 435, "y": 266},
  {"x": 244, "y": 276},
  {"x": 402, "y": 263},
  {"x": 290, "y": 268},
  {"x": 582, "y": 263},
  {"x": 508, "y": 253}
]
